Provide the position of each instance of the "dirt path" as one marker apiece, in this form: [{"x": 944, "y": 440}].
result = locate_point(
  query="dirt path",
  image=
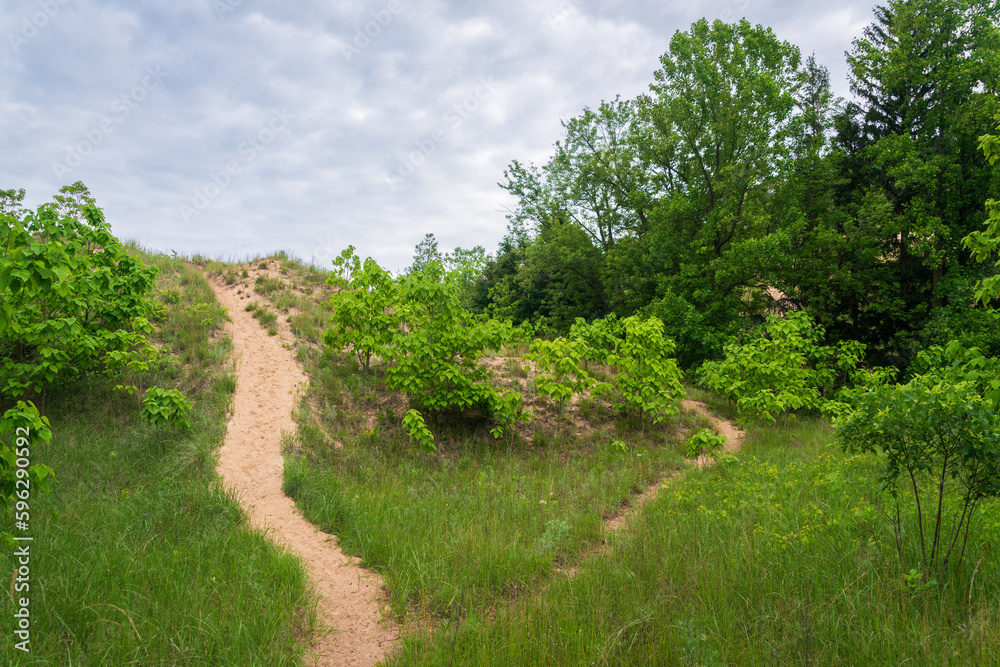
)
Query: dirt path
[
  {"x": 734, "y": 438},
  {"x": 250, "y": 461}
]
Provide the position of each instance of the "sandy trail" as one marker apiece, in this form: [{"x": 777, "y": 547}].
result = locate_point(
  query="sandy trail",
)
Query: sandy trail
[
  {"x": 734, "y": 438},
  {"x": 250, "y": 461}
]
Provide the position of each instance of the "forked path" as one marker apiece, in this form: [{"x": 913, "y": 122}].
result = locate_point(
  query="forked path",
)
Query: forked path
[{"x": 250, "y": 461}]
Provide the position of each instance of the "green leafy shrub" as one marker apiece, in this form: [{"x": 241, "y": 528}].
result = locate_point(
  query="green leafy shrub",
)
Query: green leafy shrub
[
  {"x": 648, "y": 381},
  {"x": 783, "y": 367},
  {"x": 434, "y": 357},
  {"x": 166, "y": 407},
  {"x": 704, "y": 442},
  {"x": 414, "y": 423},
  {"x": 560, "y": 359},
  {"x": 941, "y": 442},
  {"x": 73, "y": 301},
  {"x": 985, "y": 244},
  {"x": 601, "y": 336},
  {"x": 364, "y": 316},
  {"x": 955, "y": 363},
  {"x": 555, "y": 537}
]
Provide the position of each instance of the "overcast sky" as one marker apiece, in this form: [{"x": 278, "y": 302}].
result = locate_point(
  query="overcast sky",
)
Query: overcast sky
[{"x": 236, "y": 127}]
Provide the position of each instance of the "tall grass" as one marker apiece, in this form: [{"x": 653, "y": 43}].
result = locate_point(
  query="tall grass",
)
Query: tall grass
[
  {"x": 464, "y": 530},
  {"x": 777, "y": 559},
  {"x": 138, "y": 556}
]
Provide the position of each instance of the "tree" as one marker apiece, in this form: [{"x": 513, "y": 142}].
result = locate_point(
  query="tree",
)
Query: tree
[
  {"x": 669, "y": 196},
  {"x": 985, "y": 244},
  {"x": 926, "y": 72},
  {"x": 942, "y": 442},
  {"x": 424, "y": 253},
  {"x": 364, "y": 317},
  {"x": 74, "y": 301}
]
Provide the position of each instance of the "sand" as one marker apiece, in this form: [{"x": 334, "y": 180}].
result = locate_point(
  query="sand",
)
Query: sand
[{"x": 351, "y": 598}]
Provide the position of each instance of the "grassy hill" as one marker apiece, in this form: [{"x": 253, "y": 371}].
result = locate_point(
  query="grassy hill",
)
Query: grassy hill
[{"x": 494, "y": 552}]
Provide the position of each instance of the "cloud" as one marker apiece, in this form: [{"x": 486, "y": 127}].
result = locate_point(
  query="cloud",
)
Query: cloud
[{"x": 367, "y": 89}]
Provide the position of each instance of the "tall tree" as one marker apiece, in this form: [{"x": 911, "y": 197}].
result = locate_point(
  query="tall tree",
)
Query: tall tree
[
  {"x": 672, "y": 193},
  {"x": 926, "y": 73},
  {"x": 719, "y": 122}
]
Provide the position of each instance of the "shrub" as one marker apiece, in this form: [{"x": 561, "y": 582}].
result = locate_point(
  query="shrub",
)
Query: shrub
[
  {"x": 783, "y": 367},
  {"x": 564, "y": 376},
  {"x": 941, "y": 441},
  {"x": 72, "y": 299},
  {"x": 704, "y": 442},
  {"x": 434, "y": 357},
  {"x": 648, "y": 380},
  {"x": 166, "y": 407},
  {"x": 601, "y": 336},
  {"x": 364, "y": 317}
]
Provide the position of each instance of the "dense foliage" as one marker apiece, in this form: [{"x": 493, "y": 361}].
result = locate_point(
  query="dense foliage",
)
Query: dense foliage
[
  {"x": 740, "y": 186},
  {"x": 74, "y": 300},
  {"x": 782, "y": 367}
]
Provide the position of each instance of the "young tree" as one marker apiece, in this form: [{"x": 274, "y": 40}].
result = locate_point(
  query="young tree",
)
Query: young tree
[
  {"x": 74, "y": 301},
  {"x": 364, "y": 317}
]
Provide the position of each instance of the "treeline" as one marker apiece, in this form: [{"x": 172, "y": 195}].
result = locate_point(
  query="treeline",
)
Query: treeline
[{"x": 741, "y": 186}]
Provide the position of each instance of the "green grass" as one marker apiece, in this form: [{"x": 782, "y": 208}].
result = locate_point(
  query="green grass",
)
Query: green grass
[
  {"x": 265, "y": 286},
  {"x": 138, "y": 557},
  {"x": 780, "y": 558},
  {"x": 471, "y": 527}
]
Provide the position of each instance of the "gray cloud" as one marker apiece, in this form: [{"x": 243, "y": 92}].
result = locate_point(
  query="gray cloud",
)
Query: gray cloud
[{"x": 401, "y": 114}]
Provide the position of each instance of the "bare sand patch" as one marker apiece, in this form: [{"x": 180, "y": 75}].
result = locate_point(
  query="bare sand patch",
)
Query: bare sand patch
[{"x": 351, "y": 598}]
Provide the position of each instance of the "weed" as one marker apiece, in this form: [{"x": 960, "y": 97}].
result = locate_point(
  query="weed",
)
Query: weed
[{"x": 264, "y": 285}]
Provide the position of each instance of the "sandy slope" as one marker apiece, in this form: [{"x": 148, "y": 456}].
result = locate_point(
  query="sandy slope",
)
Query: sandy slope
[{"x": 268, "y": 379}]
